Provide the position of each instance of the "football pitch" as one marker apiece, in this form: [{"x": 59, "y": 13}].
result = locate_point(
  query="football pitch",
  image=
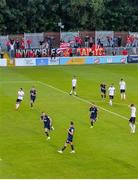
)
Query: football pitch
[{"x": 108, "y": 150}]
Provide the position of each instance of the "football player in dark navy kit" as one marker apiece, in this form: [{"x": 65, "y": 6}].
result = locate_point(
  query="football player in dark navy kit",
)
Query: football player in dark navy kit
[
  {"x": 32, "y": 96},
  {"x": 93, "y": 114},
  {"x": 47, "y": 124},
  {"x": 103, "y": 90},
  {"x": 69, "y": 138}
]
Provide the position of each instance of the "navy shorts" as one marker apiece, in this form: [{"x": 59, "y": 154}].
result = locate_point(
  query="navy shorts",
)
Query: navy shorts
[
  {"x": 69, "y": 140},
  {"x": 132, "y": 120},
  {"x": 111, "y": 97},
  {"x": 122, "y": 90},
  {"x": 103, "y": 91},
  {"x": 93, "y": 118},
  {"x": 74, "y": 87},
  {"x": 47, "y": 127},
  {"x": 33, "y": 98},
  {"x": 18, "y": 100}
]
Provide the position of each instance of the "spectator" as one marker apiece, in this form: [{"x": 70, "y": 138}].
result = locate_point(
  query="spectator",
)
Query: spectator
[
  {"x": 17, "y": 44},
  {"x": 119, "y": 41},
  {"x": 91, "y": 42},
  {"x": 22, "y": 43},
  {"x": 29, "y": 42},
  {"x": 124, "y": 52},
  {"x": 86, "y": 41},
  {"x": 12, "y": 49}
]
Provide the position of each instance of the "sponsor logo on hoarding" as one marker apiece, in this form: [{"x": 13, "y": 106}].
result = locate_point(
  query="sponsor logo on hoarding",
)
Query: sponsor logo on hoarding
[
  {"x": 25, "y": 62},
  {"x": 123, "y": 60},
  {"x": 96, "y": 61},
  {"x": 41, "y": 61},
  {"x": 53, "y": 61}
]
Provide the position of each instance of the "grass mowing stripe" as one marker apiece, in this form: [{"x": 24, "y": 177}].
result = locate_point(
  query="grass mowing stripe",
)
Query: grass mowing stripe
[
  {"x": 5, "y": 82},
  {"x": 79, "y": 98},
  {"x": 83, "y": 100}
]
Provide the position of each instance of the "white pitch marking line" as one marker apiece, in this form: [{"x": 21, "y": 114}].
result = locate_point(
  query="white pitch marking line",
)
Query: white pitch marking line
[{"x": 83, "y": 100}]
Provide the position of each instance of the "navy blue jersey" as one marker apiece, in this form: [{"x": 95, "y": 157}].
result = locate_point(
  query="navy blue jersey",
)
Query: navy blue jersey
[
  {"x": 46, "y": 120},
  {"x": 93, "y": 111},
  {"x": 103, "y": 87},
  {"x": 33, "y": 92},
  {"x": 70, "y": 136}
]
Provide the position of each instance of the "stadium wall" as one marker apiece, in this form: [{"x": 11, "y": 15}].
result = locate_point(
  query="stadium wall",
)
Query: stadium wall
[{"x": 3, "y": 62}]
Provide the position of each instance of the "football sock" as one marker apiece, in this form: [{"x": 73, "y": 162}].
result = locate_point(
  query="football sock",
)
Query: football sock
[
  {"x": 104, "y": 96},
  {"x": 17, "y": 106},
  {"x": 31, "y": 104},
  {"x": 124, "y": 96},
  {"x": 110, "y": 102},
  {"x": 47, "y": 134},
  {"x": 63, "y": 148},
  {"x": 75, "y": 93},
  {"x": 91, "y": 123},
  {"x": 71, "y": 92},
  {"x": 133, "y": 128},
  {"x": 72, "y": 147}
]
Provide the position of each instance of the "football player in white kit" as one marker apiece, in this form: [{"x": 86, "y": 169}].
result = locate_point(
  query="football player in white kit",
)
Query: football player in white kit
[
  {"x": 20, "y": 98},
  {"x": 122, "y": 85},
  {"x": 111, "y": 91},
  {"x": 132, "y": 118},
  {"x": 74, "y": 83}
]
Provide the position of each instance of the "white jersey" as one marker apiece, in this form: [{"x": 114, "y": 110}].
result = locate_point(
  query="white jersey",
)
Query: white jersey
[
  {"x": 74, "y": 82},
  {"x": 20, "y": 95},
  {"x": 133, "y": 111},
  {"x": 111, "y": 91},
  {"x": 122, "y": 85}
]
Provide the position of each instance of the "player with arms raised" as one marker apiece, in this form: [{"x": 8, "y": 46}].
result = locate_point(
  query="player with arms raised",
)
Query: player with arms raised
[
  {"x": 47, "y": 124},
  {"x": 93, "y": 114}
]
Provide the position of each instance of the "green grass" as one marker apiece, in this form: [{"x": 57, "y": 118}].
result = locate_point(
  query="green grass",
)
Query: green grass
[{"x": 106, "y": 151}]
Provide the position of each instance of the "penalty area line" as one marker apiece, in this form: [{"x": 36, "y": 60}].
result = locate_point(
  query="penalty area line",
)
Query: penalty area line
[{"x": 82, "y": 100}]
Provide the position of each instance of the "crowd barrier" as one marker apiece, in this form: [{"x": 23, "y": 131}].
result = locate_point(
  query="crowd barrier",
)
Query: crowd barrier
[
  {"x": 72, "y": 60},
  {"x": 132, "y": 59}
]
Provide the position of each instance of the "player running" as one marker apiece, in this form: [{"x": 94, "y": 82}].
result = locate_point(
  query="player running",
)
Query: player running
[
  {"x": 132, "y": 118},
  {"x": 74, "y": 84},
  {"x": 33, "y": 93},
  {"x": 69, "y": 140},
  {"x": 20, "y": 98},
  {"x": 122, "y": 85},
  {"x": 111, "y": 91},
  {"x": 47, "y": 124},
  {"x": 93, "y": 114},
  {"x": 103, "y": 90}
]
